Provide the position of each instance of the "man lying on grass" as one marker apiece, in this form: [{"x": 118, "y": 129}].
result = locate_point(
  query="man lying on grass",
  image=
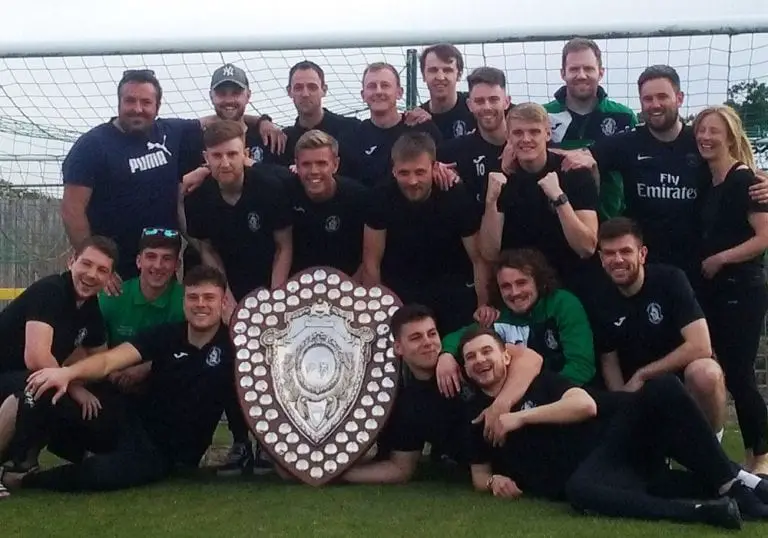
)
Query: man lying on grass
[
  {"x": 607, "y": 458},
  {"x": 191, "y": 378}
]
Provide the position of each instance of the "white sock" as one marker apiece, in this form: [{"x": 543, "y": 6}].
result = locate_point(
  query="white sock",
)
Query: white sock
[
  {"x": 748, "y": 479},
  {"x": 719, "y": 435}
]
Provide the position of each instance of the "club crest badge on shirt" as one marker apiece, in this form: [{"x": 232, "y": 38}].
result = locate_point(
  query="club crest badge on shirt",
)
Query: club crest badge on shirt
[
  {"x": 254, "y": 222},
  {"x": 459, "y": 128},
  {"x": 608, "y": 126},
  {"x": 655, "y": 315},
  {"x": 81, "y": 335},
  {"x": 332, "y": 224},
  {"x": 257, "y": 154},
  {"x": 550, "y": 340},
  {"x": 214, "y": 357}
]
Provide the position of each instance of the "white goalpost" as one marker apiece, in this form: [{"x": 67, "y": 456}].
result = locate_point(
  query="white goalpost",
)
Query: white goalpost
[
  {"x": 51, "y": 92},
  {"x": 59, "y": 83}
]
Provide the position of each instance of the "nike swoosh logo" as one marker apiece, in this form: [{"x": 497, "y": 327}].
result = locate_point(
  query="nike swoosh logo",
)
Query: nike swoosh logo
[{"x": 643, "y": 157}]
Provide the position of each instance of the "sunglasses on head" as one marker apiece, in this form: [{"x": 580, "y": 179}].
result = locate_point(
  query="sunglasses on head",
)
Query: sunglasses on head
[
  {"x": 159, "y": 231},
  {"x": 131, "y": 72}
]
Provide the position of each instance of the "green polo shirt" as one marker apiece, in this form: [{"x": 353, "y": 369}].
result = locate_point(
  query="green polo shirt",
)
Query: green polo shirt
[
  {"x": 130, "y": 313},
  {"x": 572, "y": 131}
]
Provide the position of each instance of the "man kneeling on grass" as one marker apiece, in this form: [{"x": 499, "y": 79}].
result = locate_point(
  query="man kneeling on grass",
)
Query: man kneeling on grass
[
  {"x": 560, "y": 444},
  {"x": 191, "y": 378},
  {"x": 421, "y": 414}
]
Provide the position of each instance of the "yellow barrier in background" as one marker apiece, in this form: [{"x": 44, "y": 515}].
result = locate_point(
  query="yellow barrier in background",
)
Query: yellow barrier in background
[{"x": 9, "y": 294}]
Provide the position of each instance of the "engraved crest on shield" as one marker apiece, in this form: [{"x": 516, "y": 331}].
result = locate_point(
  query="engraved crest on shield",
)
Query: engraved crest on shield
[{"x": 315, "y": 368}]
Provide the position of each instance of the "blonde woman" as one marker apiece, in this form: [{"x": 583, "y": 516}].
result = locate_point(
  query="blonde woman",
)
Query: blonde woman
[{"x": 733, "y": 292}]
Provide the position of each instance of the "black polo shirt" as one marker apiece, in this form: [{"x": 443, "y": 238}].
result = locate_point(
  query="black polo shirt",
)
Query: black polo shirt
[
  {"x": 725, "y": 224},
  {"x": 187, "y": 389},
  {"x": 475, "y": 158},
  {"x": 539, "y": 458},
  {"x": 422, "y": 415},
  {"x": 424, "y": 239},
  {"x": 242, "y": 233},
  {"x": 50, "y": 300},
  {"x": 332, "y": 124},
  {"x": 366, "y": 150},
  {"x": 330, "y": 232},
  {"x": 531, "y": 221},
  {"x": 645, "y": 327},
  {"x": 456, "y": 122}
]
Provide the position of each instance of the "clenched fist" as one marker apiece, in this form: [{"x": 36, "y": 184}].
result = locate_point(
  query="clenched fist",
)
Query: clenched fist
[
  {"x": 496, "y": 181},
  {"x": 550, "y": 184}
]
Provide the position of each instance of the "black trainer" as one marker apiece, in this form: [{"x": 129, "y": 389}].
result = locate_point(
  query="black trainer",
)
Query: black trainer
[
  {"x": 761, "y": 490},
  {"x": 261, "y": 463},
  {"x": 750, "y": 505},
  {"x": 239, "y": 461},
  {"x": 723, "y": 512},
  {"x": 21, "y": 467}
]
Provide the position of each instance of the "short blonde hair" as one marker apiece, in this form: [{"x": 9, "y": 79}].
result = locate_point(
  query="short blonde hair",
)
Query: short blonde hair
[
  {"x": 381, "y": 66},
  {"x": 532, "y": 112},
  {"x": 739, "y": 146},
  {"x": 316, "y": 139}
]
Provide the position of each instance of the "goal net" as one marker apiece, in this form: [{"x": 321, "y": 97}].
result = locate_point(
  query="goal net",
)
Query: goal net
[{"x": 47, "y": 101}]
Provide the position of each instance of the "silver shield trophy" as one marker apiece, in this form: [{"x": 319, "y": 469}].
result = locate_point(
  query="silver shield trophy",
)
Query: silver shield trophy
[{"x": 316, "y": 372}]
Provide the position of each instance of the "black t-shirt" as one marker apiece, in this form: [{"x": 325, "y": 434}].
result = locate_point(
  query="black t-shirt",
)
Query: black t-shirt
[
  {"x": 539, "y": 458},
  {"x": 332, "y": 124},
  {"x": 254, "y": 147},
  {"x": 242, "y": 234},
  {"x": 531, "y": 221},
  {"x": 257, "y": 151},
  {"x": 329, "y": 232},
  {"x": 664, "y": 183},
  {"x": 424, "y": 239},
  {"x": 50, "y": 300},
  {"x": 187, "y": 389},
  {"x": 421, "y": 415},
  {"x": 455, "y": 122},
  {"x": 725, "y": 224},
  {"x": 475, "y": 158},
  {"x": 366, "y": 150},
  {"x": 645, "y": 327}
]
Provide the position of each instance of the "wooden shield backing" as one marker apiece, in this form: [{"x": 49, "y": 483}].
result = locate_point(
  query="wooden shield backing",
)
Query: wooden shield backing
[{"x": 316, "y": 372}]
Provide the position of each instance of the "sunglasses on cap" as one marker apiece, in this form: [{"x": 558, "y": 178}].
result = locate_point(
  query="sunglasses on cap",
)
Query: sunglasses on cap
[
  {"x": 131, "y": 72},
  {"x": 146, "y": 232}
]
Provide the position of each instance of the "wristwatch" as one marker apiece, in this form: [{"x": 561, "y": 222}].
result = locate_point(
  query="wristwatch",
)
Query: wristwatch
[{"x": 560, "y": 200}]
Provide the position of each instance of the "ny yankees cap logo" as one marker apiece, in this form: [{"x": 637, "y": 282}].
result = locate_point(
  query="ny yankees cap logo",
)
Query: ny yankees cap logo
[{"x": 229, "y": 74}]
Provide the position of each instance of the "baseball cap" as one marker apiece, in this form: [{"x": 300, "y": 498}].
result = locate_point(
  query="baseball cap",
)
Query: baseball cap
[{"x": 229, "y": 73}]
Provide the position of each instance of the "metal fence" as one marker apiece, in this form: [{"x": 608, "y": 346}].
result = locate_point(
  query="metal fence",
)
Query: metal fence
[{"x": 32, "y": 240}]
